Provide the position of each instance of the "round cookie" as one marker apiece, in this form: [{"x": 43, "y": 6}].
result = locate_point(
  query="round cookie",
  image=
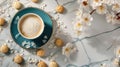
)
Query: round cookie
[
  {"x": 17, "y": 5},
  {"x": 35, "y": 1},
  {"x": 59, "y": 42},
  {"x": 18, "y": 59},
  {"x": 41, "y": 64},
  {"x": 60, "y": 9},
  {"x": 41, "y": 52},
  {"x": 4, "y": 48},
  {"x": 53, "y": 64},
  {"x": 2, "y": 21}
]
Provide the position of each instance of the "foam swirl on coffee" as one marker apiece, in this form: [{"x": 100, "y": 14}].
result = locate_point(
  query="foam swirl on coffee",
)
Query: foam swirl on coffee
[{"x": 31, "y": 26}]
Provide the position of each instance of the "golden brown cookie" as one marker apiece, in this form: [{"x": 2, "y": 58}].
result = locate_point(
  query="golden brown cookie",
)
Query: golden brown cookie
[
  {"x": 35, "y": 1},
  {"x": 18, "y": 59},
  {"x": 4, "y": 48},
  {"x": 2, "y": 21},
  {"x": 17, "y": 5},
  {"x": 41, "y": 52},
  {"x": 60, "y": 9},
  {"x": 41, "y": 64},
  {"x": 59, "y": 42},
  {"x": 53, "y": 64}
]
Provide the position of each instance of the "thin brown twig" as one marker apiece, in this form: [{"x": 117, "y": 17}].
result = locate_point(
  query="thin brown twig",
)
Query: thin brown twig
[{"x": 92, "y": 11}]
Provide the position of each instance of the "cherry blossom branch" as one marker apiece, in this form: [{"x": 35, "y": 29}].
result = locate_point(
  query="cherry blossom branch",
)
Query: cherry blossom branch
[{"x": 117, "y": 14}]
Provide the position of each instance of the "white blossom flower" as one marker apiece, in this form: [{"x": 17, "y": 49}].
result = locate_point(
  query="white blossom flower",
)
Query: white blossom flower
[
  {"x": 78, "y": 26},
  {"x": 110, "y": 18},
  {"x": 116, "y": 7},
  {"x": 78, "y": 32},
  {"x": 102, "y": 9},
  {"x": 69, "y": 49},
  {"x": 96, "y": 3},
  {"x": 79, "y": 13},
  {"x": 109, "y": 2},
  {"x": 86, "y": 19},
  {"x": 85, "y": 3},
  {"x": 116, "y": 62}
]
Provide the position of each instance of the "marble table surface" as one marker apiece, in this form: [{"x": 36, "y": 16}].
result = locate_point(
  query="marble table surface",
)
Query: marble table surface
[{"x": 95, "y": 46}]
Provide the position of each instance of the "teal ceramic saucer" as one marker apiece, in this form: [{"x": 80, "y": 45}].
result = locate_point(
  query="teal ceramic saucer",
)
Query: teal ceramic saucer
[{"x": 31, "y": 43}]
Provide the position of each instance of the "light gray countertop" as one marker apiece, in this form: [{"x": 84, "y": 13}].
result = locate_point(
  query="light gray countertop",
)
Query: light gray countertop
[{"x": 93, "y": 45}]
